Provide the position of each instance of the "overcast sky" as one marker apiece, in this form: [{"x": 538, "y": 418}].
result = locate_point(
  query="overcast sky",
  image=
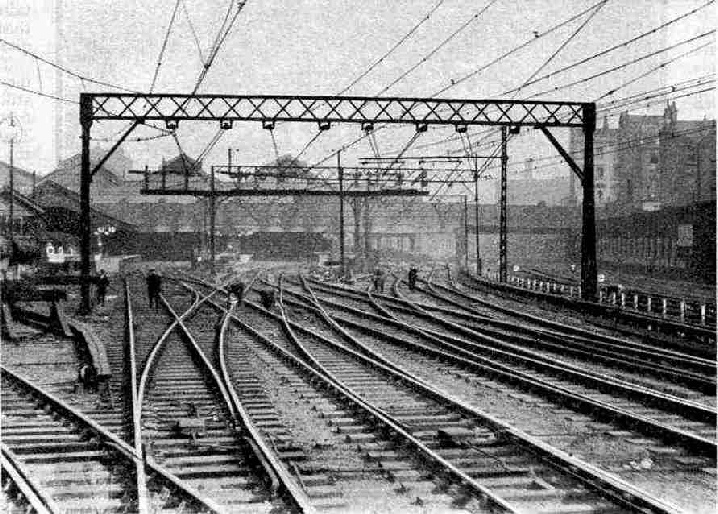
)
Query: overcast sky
[{"x": 318, "y": 47}]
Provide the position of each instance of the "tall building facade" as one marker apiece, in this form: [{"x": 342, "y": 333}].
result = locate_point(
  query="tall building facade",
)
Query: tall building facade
[
  {"x": 687, "y": 157},
  {"x": 650, "y": 162},
  {"x": 604, "y": 164}
]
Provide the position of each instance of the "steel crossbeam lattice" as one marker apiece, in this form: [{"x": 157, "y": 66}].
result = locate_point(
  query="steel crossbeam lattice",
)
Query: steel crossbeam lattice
[{"x": 164, "y": 107}]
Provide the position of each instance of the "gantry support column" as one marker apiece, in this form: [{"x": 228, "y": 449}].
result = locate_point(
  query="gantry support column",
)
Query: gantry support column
[
  {"x": 85, "y": 220},
  {"x": 503, "y": 221},
  {"x": 589, "y": 268}
]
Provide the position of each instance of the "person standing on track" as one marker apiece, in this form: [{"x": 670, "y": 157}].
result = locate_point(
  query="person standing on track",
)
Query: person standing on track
[
  {"x": 102, "y": 284},
  {"x": 154, "y": 288},
  {"x": 413, "y": 273}
]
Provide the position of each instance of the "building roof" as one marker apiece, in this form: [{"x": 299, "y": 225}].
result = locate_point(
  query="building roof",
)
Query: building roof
[
  {"x": 23, "y": 179},
  {"x": 23, "y": 205},
  {"x": 54, "y": 197}
]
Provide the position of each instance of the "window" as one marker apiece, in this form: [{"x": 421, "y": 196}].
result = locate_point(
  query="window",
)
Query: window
[{"x": 599, "y": 172}]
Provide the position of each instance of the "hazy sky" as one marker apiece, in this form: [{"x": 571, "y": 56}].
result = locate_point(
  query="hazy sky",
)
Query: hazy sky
[{"x": 319, "y": 47}]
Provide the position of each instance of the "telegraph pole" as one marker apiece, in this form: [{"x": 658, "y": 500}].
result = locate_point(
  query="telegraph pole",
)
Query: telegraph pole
[
  {"x": 341, "y": 213},
  {"x": 12, "y": 177},
  {"x": 466, "y": 233},
  {"x": 503, "y": 222},
  {"x": 476, "y": 206},
  {"x": 212, "y": 221}
]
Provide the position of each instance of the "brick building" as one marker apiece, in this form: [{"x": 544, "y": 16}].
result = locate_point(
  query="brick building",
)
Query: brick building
[{"x": 687, "y": 160}]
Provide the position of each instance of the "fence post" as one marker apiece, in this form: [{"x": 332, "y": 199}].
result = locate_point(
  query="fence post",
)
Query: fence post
[
  {"x": 649, "y": 301},
  {"x": 635, "y": 301},
  {"x": 623, "y": 300},
  {"x": 703, "y": 314},
  {"x": 683, "y": 311},
  {"x": 664, "y": 314},
  {"x": 613, "y": 298}
]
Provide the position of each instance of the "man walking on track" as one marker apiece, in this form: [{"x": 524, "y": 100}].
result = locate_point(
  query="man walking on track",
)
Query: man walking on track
[{"x": 154, "y": 288}]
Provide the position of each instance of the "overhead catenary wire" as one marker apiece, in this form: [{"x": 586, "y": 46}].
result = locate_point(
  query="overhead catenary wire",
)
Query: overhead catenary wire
[
  {"x": 626, "y": 64},
  {"x": 164, "y": 45},
  {"x": 560, "y": 48},
  {"x": 613, "y": 48},
  {"x": 79, "y": 76},
  {"x": 222, "y": 34},
  {"x": 436, "y": 49},
  {"x": 194, "y": 32},
  {"x": 515, "y": 49},
  {"x": 652, "y": 70},
  {"x": 396, "y": 45}
]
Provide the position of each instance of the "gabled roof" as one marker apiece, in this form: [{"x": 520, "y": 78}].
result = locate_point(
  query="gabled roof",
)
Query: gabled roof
[
  {"x": 23, "y": 200},
  {"x": 53, "y": 196}
]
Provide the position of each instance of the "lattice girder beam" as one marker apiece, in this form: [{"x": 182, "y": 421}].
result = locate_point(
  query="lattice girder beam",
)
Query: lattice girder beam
[{"x": 332, "y": 109}]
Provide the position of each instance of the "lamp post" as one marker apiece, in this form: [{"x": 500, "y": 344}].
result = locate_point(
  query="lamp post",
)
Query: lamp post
[
  {"x": 11, "y": 131},
  {"x": 106, "y": 231}
]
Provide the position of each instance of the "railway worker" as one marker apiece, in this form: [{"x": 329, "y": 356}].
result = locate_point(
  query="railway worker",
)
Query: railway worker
[
  {"x": 103, "y": 282},
  {"x": 377, "y": 279},
  {"x": 413, "y": 274},
  {"x": 154, "y": 288},
  {"x": 237, "y": 289},
  {"x": 268, "y": 298},
  {"x": 87, "y": 378}
]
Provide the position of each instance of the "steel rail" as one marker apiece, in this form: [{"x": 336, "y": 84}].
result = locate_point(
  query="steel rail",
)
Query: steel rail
[
  {"x": 110, "y": 440},
  {"x": 530, "y": 357},
  {"x": 606, "y": 484},
  {"x": 295, "y": 493},
  {"x": 267, "y": 459},
  {"x": 145, "y": 378},
  {"x": 563, "y": 368},
  {"x": 639, "y": 350},
  {"x": 134, "y": 407},
  {"x": 629, "y": 357},
  {"x": 377, "y": 414},
  {"x": 37, "y": 500},
  {"x": 504, "y": 372},
  {"x": 581, "y": 332},
  {"x": 626, "y": 317}
]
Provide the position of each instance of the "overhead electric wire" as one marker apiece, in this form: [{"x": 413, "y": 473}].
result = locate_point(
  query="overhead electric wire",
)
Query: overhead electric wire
[
  {"x": 164, "y": 45},
  {"x": 194, "y": 32},
  {"x": 626, "y": 64},
  {"x": 62, "y": 68},
  {"x": 401, "y": 41},
  {"x": 558, "y": 50},
  {"x": 222, "y": 34},
  {"x": 657, "y": 68},
  {"x": 488, "y": 65},
  {"x": 623, "y": 44},
  {"x": 653, "y": 70},
  {"x": 38, "y": 93},
  {"x": 436, "y": 49},
  {"x": 456, "y": 82}
]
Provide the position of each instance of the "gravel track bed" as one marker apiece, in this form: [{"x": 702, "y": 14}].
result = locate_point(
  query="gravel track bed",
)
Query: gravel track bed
[
  {"x": 672, "y": 476},
  {"x": 567, "y": 383},
  {"x": 586, "y": 364},
  {"x": 334, "y": 450}
]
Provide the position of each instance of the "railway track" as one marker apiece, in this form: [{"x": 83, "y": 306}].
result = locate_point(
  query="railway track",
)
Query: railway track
[
  {"x": 190, "y": 425},
  {"x": 491, "y": 460},
  {"x": 56, "y": 459},
  {"x": 697, "y": 339},
  {"x": 671, "y": 419},
  {"x": 674, "y": 372}
]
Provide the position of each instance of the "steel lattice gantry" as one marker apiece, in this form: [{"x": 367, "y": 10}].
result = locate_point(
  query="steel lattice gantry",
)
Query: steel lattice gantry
[{"x": 324, "y": 110}]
